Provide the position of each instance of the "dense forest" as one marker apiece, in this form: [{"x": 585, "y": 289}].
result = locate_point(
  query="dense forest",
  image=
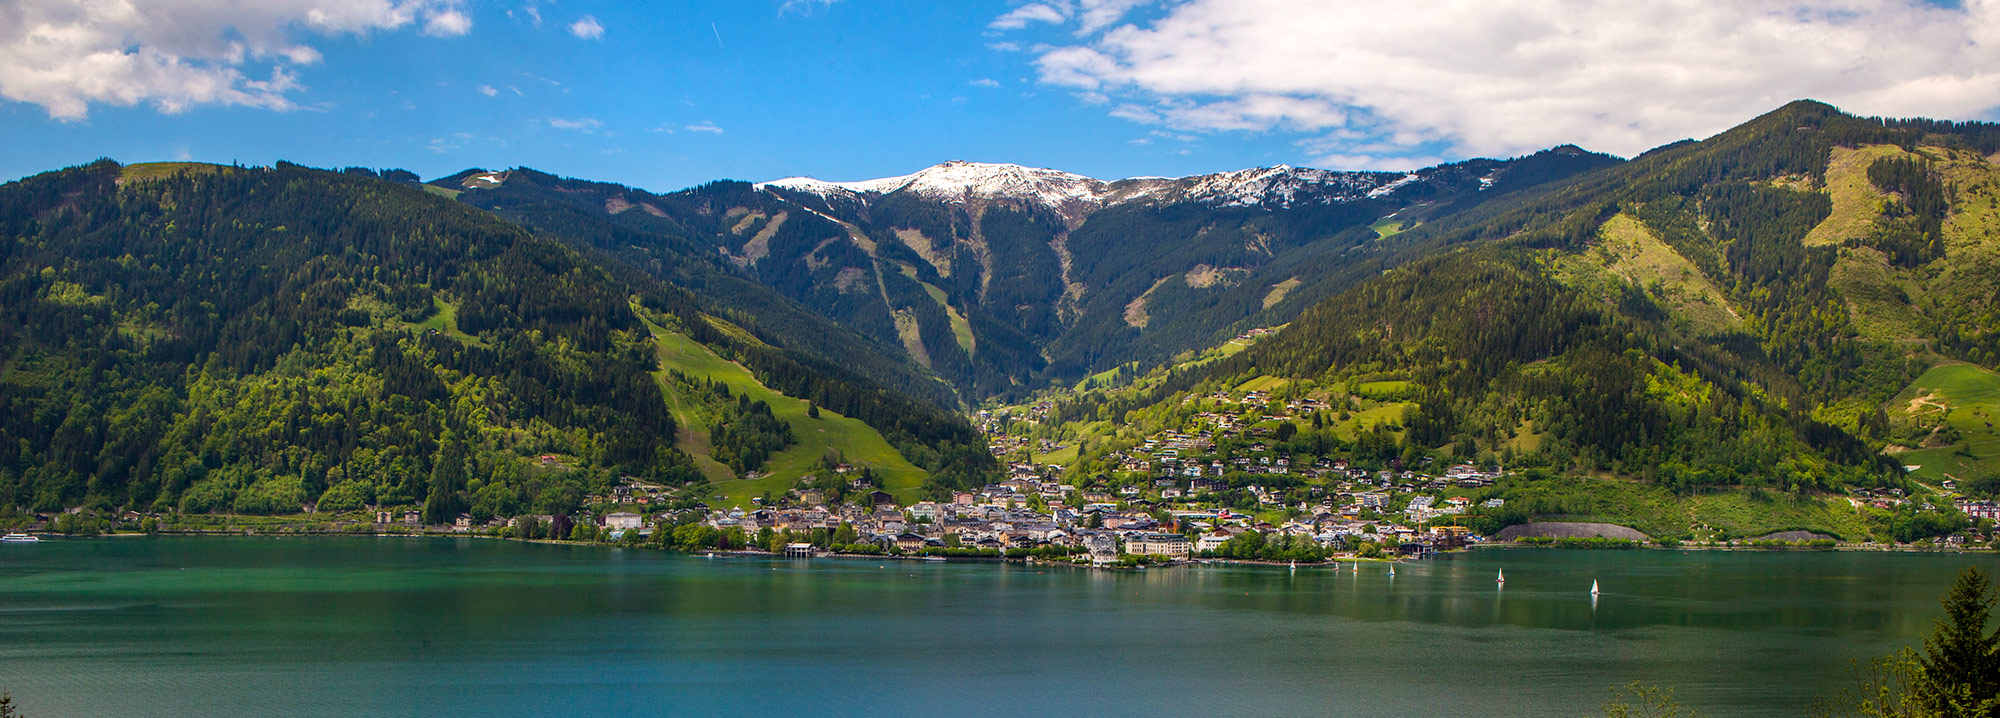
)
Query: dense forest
[{"x": 260, "y": 340}]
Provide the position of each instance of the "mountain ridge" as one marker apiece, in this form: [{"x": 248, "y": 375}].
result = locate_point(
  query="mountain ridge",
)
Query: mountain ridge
[{"x": 998, "y": 278}]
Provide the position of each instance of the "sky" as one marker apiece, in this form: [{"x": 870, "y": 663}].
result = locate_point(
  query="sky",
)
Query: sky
[{"x": 667, "y": 94}]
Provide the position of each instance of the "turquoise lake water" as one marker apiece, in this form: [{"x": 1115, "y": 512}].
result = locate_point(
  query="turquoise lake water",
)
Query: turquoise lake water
[{"x": 427, "y": 627}]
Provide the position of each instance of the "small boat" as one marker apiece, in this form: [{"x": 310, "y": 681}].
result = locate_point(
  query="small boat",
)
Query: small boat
[
  {"x": 1392, "y": 569},
  {"x": 1593, "y": 587},
  {"x": 1502, "y": 578},
  {"x": 18, "y": 537}
]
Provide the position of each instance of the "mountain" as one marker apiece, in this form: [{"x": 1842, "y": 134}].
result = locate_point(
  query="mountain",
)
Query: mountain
[
  {"x": 1744, "y": 332},
  {"x": 268, "y": 340},
  {"x": 1802, "y": 306},
  {"x": 997, "y": 279}
]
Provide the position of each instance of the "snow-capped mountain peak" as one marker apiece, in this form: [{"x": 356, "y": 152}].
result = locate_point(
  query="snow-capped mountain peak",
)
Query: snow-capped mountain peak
[
  {"x": 1073, "y": 194},
  {"x": 958, "y": 180}
]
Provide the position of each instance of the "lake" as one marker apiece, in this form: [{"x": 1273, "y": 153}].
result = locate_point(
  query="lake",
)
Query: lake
[{"x": 328, "y": 626}]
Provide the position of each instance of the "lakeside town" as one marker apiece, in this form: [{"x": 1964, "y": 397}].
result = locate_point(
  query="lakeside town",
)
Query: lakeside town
[
  {"x": 1217, "y": 484},
  {"x": 1223, "y": 489}
]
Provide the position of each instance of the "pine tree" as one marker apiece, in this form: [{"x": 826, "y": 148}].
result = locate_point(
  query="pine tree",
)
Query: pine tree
[
  {"x": 7, "y": 706},
  {"x": 1959, "y": 667}
]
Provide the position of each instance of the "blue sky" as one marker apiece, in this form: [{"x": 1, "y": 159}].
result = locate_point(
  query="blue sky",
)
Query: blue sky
[{"x": 663, "y": 95}]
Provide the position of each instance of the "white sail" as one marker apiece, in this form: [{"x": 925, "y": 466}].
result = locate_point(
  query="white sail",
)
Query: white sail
[
  {"x": 1593, "y": 587},
  {"x": 1502, "y": 578}
]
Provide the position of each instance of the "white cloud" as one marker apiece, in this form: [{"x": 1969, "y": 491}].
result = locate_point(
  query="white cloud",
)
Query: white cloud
[
  {"x": 1503, "y": 77},
  {"x": 1021, "y": 16},
  {"x": 984, "y": 82},
  {"x": 704, "y": 126},
  {"x": 66, "y": 55},
  {"x": 804, "y": 6},
  {"x": 1094, "y": 15},
  {"x": 585, "y": 124},
  {"x": 488, "y": 91},
  {"x": 587, "y": 28},
  {"x": 448, "y": 23}
]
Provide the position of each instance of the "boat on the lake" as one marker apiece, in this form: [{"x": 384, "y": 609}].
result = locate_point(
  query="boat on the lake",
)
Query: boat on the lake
[
  {"x": 18, "y": 537},
  {"x": 1502, "y": 578}
]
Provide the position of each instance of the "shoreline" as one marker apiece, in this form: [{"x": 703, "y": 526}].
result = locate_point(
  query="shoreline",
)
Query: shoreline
[{"x": 1336, "y": 561}]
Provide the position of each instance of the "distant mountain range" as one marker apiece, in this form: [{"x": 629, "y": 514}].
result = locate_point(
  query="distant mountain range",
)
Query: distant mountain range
[
  {"x": 1808, "y": 302},
  {"x": 999, "y": 278}
]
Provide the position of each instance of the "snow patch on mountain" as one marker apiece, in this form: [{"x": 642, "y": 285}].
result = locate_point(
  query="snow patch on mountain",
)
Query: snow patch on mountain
[
  {"x": 1278, "y": 187},
  {"x": 1390, "y": 188}
]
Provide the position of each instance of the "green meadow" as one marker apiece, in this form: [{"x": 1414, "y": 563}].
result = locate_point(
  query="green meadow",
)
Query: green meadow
[{"x": 859, "y": 443}]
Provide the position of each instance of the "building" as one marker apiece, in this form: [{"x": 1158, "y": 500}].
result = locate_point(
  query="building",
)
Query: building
[
  {"x": 1168, "y": 545},
  {"x": 1103, "y": 547},
  {"x": 621, "y": 521}
]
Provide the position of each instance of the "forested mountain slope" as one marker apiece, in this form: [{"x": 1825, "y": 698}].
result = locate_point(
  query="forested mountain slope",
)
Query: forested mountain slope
[
  {"x": 258, "y": 340},
  {"x": 1804, "y": 303}
]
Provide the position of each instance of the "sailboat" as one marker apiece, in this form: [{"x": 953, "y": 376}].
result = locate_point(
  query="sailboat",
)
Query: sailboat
[
  {"x": 1392, "y": 569},
  {"x": 1593, "y": 587},
  {"x": 1502, "y": 578}
]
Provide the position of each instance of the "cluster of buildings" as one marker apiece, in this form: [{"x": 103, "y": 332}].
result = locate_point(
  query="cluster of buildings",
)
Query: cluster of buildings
[{"x": 1032, "y": 513}]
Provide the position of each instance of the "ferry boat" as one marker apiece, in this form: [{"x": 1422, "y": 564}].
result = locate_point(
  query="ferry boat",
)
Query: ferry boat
[{"x": 19, "y": 538}]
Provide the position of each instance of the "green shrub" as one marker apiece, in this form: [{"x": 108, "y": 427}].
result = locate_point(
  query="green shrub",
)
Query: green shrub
[
  {"x": 279, "y": 495},
  {"x": 207, "y": 496},
  {"x": 347, "y": 496}
]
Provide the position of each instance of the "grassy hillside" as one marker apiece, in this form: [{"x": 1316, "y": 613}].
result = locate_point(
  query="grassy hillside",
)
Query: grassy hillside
[
  {"x": 859, "y": 444},
  {"x": 1947, "y": 415},
  {"x": 1628, "y": 256}
]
